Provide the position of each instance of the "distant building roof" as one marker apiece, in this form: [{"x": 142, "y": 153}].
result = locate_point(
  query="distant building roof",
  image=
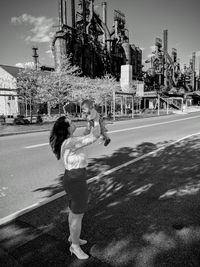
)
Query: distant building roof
[{"x": 14, "y": 71}]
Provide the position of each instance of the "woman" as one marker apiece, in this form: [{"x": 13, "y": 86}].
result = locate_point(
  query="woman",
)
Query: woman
[{"x": 70, "y": 149}]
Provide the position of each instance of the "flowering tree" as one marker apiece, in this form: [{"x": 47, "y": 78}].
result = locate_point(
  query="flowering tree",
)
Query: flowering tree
[
  {"x": 56, "y": 86},
  {"x": 27, "y": 84}
]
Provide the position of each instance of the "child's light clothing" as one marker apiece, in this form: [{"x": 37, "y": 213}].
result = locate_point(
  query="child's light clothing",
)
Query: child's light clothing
[{"x": 94, "y": 115}]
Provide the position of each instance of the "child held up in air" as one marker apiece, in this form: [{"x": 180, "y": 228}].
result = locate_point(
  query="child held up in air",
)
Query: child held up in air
[{"x": 92, "y": 115}]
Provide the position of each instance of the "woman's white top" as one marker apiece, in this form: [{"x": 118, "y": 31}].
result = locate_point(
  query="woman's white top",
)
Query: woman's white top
[{"x": 72, "y": 150}]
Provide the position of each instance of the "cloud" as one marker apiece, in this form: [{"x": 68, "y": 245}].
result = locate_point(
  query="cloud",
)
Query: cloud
[
  {"x": 177, "y": 44},
  {"x": 41, "y": 27},
  {"x": 25, "y": 65}
]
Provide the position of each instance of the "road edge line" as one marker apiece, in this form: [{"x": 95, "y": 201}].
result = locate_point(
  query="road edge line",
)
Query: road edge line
[{"x": 19, "y": 213}]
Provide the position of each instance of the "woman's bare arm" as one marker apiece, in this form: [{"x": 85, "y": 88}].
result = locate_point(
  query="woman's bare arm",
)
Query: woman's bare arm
[{"x": 78, "y": 142}]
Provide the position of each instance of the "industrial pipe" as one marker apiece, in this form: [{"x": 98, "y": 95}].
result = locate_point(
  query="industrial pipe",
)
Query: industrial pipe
[
  {"x": 105, "y": 30},
  {"x": 65, "y": 12},
  {"x": 73, "y": 14},
  {"x": 84, "y": 15},
  {"x": 60, "y": 7},
  {"x": 127, "y": 50},
  {"x": 104, "y": 19},
  {"x": 104, "y": 15},
  {"x": 91, "y": 9}
]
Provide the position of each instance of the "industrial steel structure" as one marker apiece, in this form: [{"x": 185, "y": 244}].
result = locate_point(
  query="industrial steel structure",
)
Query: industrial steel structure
[
  {"x": 165, "y": 67},
  {"x": 95, "y": 48}
]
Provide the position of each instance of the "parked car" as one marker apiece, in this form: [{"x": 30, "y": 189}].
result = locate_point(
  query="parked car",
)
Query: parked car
[
  {"x": 2, "y": 119},
  {"x": 21, "y": 120}
]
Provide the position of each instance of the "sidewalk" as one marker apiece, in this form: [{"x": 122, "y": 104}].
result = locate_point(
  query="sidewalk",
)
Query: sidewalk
[
  {"x": 7, "y": 130},
  {"x": 144, "y": 215}
]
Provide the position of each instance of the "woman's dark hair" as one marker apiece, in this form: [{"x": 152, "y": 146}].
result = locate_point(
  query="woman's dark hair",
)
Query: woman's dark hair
[{"x": 59, "y": 133}]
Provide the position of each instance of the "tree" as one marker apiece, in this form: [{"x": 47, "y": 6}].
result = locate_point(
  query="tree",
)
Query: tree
[
  {"x": 56, "y": 86},
  {"x": 99, "y": 90},
  {"x": 27, "y": 84},
  {"x": 103, "y": 91}
]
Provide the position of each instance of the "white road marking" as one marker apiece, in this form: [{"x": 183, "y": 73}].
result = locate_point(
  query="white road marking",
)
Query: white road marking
[
  {"x": 15, "y": 215},
  {"x": 128, "y": 129},
  {"x": 34, "y": 146},
  {"x": 153, "y": 124}
]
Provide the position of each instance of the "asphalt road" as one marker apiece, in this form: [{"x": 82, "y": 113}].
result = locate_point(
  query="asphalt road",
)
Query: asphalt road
[{"x": 28, "y": 167}]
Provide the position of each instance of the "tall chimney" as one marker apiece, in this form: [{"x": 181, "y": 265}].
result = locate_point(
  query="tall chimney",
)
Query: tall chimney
[
  {"x": 193, "y": 60},
  {"x": 165, "y": 41},
  {"x": 104, "y": 15},
  {"x": 65, "y": 12},
  {"x": 73, "y": 14},
  {"x": 60, "y": 7},
  {"x": 35, "y": 57}
]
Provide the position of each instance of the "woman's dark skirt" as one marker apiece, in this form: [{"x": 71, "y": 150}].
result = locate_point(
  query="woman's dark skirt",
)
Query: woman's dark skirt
[{"x": 75, "y": 185}]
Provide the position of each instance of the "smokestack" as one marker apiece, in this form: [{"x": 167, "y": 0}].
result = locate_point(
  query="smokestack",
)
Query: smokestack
[
  {"x": 104, "y": 15},
  {"x": 73, "y": 13},
  {"x": 165, "y": 41},
  {"x": 60, "y": 7},
  {"x": 193, "y": 61},
  {"x": 65, "y": 12},
  {"x": 35, "y": 57}
]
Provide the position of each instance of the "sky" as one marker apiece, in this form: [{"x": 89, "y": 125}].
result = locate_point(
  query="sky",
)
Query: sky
[{"x": 28, "y": 23}]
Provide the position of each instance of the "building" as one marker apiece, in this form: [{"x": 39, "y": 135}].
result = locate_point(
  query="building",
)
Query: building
[
  {"x": 9, "y": 99},
  {"x": 92, "y": 45}
]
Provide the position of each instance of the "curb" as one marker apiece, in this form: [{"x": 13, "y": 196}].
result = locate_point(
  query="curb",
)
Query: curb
[
  {"x": 34, "y": 131},
  {"x": 109, "y": 122},
  {"x": 24, "y": 132},
  {"x": 46, "y": 130}
]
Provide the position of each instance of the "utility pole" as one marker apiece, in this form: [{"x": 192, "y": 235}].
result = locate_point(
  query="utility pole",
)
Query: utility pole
[
  {"x": 193, "y": 71},
  {"x": 165, "y": 51},
  {"x": 114, "y": 104}
]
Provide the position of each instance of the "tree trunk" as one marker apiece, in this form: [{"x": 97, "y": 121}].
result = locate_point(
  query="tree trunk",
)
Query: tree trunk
[
  {"x": 114, "y": 99},
  {"x": 31, "y": 113},
  {"x": 80, "y": 103},
  {"x": 26, "y": 107},
  {"x": 102, "y": 109},
  {"x": 59, "y": 109},
  {"x": 106, "y": 108},
  {"x": 49, "y": 108},
  {"x": 125, "y": 106},
  {"x": 121, "y": 98}
]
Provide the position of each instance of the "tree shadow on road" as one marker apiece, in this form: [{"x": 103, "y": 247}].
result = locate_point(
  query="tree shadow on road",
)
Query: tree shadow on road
[
  {"x": 148, "y": 212},
  {"x": 143, "y": 215},
  {"x": 100, "y": 165}
]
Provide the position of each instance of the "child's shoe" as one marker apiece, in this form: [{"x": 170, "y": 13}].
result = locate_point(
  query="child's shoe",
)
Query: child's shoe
[{"x": 107, "y": 141}]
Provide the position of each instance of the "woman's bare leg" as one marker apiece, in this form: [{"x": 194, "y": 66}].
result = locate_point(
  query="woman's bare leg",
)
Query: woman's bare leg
[{"x": 75, "y": 225}]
